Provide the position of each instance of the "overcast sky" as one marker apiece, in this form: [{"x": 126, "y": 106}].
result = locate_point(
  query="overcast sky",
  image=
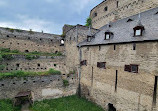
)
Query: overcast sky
[{"x": 46, "y": 15}]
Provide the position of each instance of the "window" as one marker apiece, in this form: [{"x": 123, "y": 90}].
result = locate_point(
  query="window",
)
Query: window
[
  {"x": 131, "y": 68},
  {"x": 89, "y": 38},
  {"x": 84, "y": 62},
  {"x": 114, "y": 47},
  {"x": 38, "y": 65},
  {"x": 117, "y": 4},
  {"x": 156, "y": 13},
  {"x": 106, "y": 9},
  {"x": 101, "y": 65},
  {"x": 95, "y": 14},
  {"x": 138, "y": 31},
  {"x": 108, "y": 35},
  {"x": 17, "y": 65},
  {"x": 134, "y": 46}
]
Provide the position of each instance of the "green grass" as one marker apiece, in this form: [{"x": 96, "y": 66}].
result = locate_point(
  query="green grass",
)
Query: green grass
[
  {"x": 25, "y": 74},
  {"x": 6, "y": 51},
  {"x": 6, "y": 105},
  {"x": 71, "y": 103}
]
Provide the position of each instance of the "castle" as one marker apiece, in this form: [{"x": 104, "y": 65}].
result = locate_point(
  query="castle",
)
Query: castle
[{"x": 113, "y": 64}]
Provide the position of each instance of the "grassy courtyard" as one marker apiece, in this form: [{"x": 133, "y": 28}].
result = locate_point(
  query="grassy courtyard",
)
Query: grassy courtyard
[{"x": 71, "y": 103}]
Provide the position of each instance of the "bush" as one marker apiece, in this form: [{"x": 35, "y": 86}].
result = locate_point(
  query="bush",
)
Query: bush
[
  {"x": 65, "y": 83},
  {"x": 7, "y": 57},
  {"x": 29, "y": 57},
  {"x": 5, "y": 50},
  {"x": 55, "y": 72},
  {"x": 15, "y": 51},
  {"x": 2, "y": 67}
]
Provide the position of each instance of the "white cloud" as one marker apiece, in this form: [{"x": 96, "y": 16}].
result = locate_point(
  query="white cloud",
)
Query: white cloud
[{"x": 36, "y": 24}]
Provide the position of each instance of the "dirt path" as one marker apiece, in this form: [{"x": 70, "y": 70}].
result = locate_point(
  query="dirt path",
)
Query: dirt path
[{"x": 25, "y": 107}]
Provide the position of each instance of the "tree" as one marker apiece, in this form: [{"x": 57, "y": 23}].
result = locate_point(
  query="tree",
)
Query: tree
[{"x": 88, "y": 22}]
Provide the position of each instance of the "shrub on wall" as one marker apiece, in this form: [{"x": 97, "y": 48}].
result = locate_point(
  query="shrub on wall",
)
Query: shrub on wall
[
  {"x": 2, "y": 67},
  {"x": 7, "y": 57},
  {"x": 52, "y": 71},
  {"x": 65, "y": 83},
  {"x": 29, "y": 57},
  {"x": 5, "y": 50}
]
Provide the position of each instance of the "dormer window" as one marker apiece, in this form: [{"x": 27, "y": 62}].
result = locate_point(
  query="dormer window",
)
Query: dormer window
[
  {"x": 138, "y": 31},
  {"x": 89, "y": 38},
  {"x": 108, "y": 35}
]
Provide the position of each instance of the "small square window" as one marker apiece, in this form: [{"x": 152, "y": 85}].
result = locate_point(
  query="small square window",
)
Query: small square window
[
  {"x": 138, "y": 32},
  {"x": 107, "y": 36},
  {"x": 134, "y": 68}
]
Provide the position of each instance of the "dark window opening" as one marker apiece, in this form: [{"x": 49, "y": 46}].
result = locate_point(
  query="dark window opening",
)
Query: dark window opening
[
  {"x": 38, "y": 65},
  {"x": 101, "y": 65},
  {"x": 155, "y": 91},
  {"x": 134, "y": 46},
  {"x": 106, "y": 9},
  {"x": 129, "y": 20},
  {"x": 117, "y": 4},
  {"x": 111, "y": 107},
  {"x": 26, "y": 51},
  {"x": 156, "y": 13},
  {"x": 99, "y": 48},
  {"x": 17, "y": 65},
  {"x": 114, "y": 47},
  {"x": 55, "y": 65},
  {"x": 116, "y": 80},
  {"x": 95, "y": 14},
  {"x": 131, "y": 68},
  {"x": 84, "y": 62},
  {"x": 40, "y": 39},
  {"x": 138, "y": 31},
  {"x": 7, "y": 35},
  {"x": 28, "y": 38},
  {"x": 2, "y": 84}
]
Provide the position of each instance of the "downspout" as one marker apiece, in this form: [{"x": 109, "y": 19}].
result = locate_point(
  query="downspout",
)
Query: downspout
[{"x": 80, "y": 58}]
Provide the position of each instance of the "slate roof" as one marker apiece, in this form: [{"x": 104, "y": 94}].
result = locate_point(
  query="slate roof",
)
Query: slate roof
[{"x": 123, "y": 30}]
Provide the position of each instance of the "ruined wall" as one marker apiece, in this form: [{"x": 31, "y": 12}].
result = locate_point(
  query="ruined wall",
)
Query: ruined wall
[
  {"x": 73, "y": 37},
  {"x": 28, "y": 40},
  {"x": 43, "y": 87},
  {"x": 44, "y": 63},
  {"x": 134, "y": 91},
  {"x": 118, "y": 9}
]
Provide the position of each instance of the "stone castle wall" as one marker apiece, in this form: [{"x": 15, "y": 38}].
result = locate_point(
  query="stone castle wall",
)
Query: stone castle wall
[
  {"x": 134, "y": 91},
  {"x": 44, "y": 63},
  {"x": 43, "y": 87},
  {"x": 73, "y": 37},
  {"x": 31, "y": 41},
  {"x": 124, "y": 9}
]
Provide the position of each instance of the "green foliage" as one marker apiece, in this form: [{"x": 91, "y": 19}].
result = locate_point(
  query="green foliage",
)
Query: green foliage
[
  {"x": 65, "y": 83},
  {"x": 18, "y": 30},
  {"x": 88, "y": 22},
  {"x": 52, "y": 57},
  {"x": 26, "y": 74},
  {"x": 5, "y": 50},
  {"x": 11, "y": 30},
  {"x": 15, "y": 51},
  {"x": 70, "y": 103},
  {"x": 63, "y": 35},
  {"x": 6, "y": 105},
  {"x": 29, "y": 57},
  {"x": 31, "y": 32},
  {"x": 2, "y": 67},
  {"x": 7, "y": 57},
  {"x": 54, "y": 72},
  {"x": 1, "y": 58}
]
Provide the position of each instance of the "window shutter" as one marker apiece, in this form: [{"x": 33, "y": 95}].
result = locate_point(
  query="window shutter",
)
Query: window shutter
[
  {"x": 127, "y": 68},
  {"x": 98, "y": 64}
]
